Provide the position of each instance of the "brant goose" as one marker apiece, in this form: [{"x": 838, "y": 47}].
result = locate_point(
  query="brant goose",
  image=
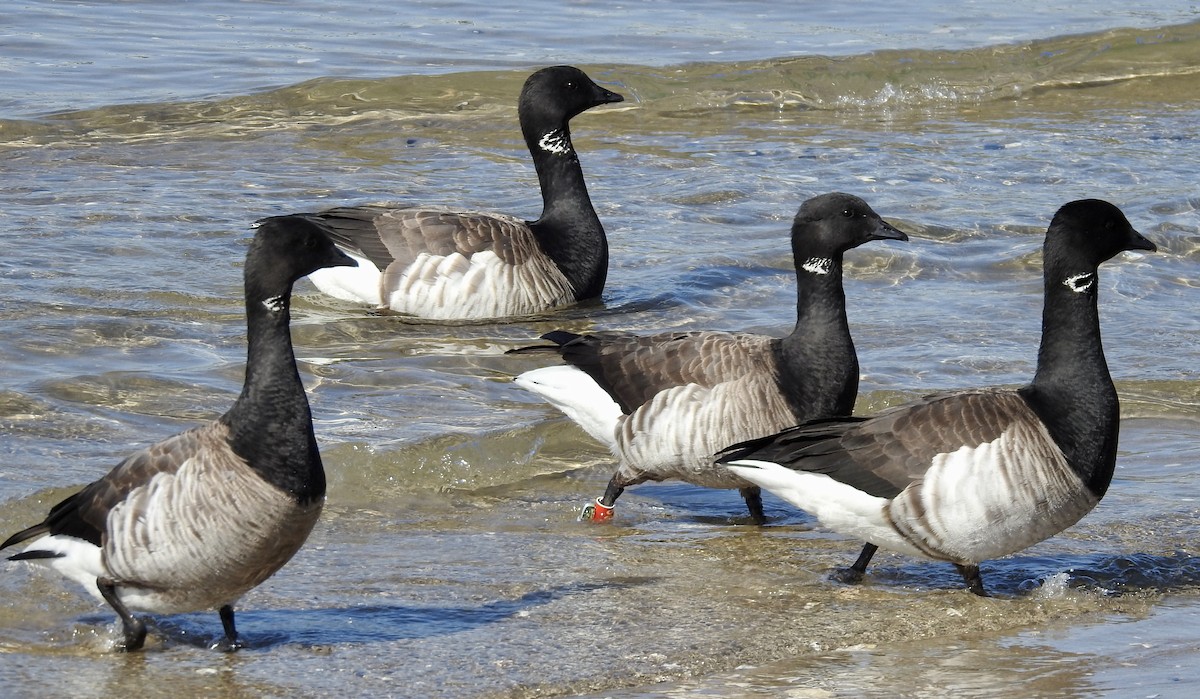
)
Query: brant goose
[
  {"x": 972, "y": 475},
  {"x": 450, "y": 264},
  {"x": 195, "y": 521},
  {"x": 666, "y": 403}
]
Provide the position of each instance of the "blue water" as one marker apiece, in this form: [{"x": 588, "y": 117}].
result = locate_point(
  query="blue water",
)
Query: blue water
[
  {"x": 73, "y": 55},
  {"x": 141, "y": 139}
]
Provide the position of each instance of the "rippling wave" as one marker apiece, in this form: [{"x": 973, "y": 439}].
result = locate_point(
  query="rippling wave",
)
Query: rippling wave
[{"x": 1113, "y": 66}]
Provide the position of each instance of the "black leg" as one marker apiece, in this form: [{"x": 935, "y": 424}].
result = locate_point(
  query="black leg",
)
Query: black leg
[
  {"x": 230, "y": 643},
  {"x": 612, "y": 492},
  {"x": 135, "y": 629},
  {"x": 753, "y": 498},
  {"x": 974, "y": 580},
  {"x": 854, "y": 573}
]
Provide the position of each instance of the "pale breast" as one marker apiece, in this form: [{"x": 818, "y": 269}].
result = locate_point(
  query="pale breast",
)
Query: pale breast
[
  {"x": 992, "y": 500},
  {"x": 203, "y": 536}
]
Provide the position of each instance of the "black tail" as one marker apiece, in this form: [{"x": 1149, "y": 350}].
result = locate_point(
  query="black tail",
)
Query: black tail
[
  {"x": 34, "y": 556},
  {"x": 791, "y": 443},
  {"x": 560, "y": 338},
  {"x": 25, "y": 535}
]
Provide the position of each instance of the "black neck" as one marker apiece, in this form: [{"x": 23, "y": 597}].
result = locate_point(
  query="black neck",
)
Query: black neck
[
  {"x": 817, "y": 363},
  {"x": 1072, "y": 390},
  {"x": 568, "y": 230},
  {"x": 270, "y": 423}
]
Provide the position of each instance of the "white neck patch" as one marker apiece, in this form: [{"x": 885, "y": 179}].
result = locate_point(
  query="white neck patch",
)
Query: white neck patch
[
  {"x": 1081, "y": 282},
  {"x": 555, "y": 142},
  {"x": 817, "y": 265},
  {"x": 275, "y": 304}
]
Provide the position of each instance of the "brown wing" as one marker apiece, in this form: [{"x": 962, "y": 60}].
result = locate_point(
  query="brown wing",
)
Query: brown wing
[
  {"x": 387, "y": 235},
  {"x": 634, "y": 368},
  {"x": 884, "y": 454},
  {"x": 83, "y": 515}
]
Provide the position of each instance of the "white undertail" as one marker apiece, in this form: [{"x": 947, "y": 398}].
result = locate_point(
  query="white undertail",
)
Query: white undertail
[{"x": 579, "y": 397}]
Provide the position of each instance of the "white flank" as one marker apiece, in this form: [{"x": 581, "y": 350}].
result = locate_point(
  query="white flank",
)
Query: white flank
[
  {"x": 994, "y": 499},
  {"x": 677, "y": 431},
  {"x": 357, "y": 284},
  {"x": 840, "y": 507},
  {"x": 675, "y": 434},
  {"x": 578, "y": 397},
  {"x": 482, "y": 286}
]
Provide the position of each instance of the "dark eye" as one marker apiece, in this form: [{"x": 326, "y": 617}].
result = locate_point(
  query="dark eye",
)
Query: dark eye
[
  {"x": 570, "y": 85},
  {"x": 847, "y": 213}
]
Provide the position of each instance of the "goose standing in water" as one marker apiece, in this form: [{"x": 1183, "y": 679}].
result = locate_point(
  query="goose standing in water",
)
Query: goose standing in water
[
  {"x": 666, "y": 403},
  {"x": 446, "y": 263},
  {"x": 973, "y": 475},
  {"x": 195, "y": 521}
]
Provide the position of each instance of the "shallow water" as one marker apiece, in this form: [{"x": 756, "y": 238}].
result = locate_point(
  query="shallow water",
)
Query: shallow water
[{"x": 450, "y": 562}]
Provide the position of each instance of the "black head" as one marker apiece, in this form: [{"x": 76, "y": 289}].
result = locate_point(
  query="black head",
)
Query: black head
[
  {"x": 833, "y": 223},
  {"x": 1090, "y": 231},
  {"x": 552, "y": 96},
  {"x": 286, "y": 248}
]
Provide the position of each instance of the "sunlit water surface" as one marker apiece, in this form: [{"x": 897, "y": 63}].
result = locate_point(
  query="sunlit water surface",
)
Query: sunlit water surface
[{"x": 140, "y": 140}]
